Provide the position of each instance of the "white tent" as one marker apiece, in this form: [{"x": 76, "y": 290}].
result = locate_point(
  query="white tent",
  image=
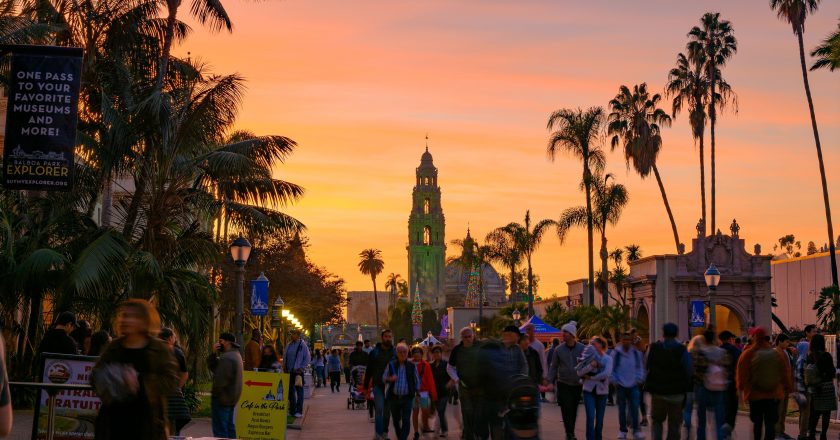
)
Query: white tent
[{"x": 429, "y": 341}]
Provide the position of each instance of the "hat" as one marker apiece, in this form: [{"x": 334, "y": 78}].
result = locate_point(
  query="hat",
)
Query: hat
[
  {"x": 570, "y": 327},
  {"x": 511, "y": 329},
  {"x": 230, "y": 338},
  {"x": 758, "y": 333}
]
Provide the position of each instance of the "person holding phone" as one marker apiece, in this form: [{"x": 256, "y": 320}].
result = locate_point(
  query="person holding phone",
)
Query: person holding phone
[{"x": 226, "y": 365}]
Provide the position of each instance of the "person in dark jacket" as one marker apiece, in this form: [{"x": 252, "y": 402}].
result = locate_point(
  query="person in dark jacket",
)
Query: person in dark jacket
[
  {"x": 403, "y": 382},
  {"x": 669, "y": 373},
  {"x": 226, "y": 364},
  {"x": 442, "y": 386},
  {"x": 730, "y": 396},
  {"x": 822, "y": 396},
  {"x": 535, "y": 371},
  {"x": 563, "y": 374},
  {"x": 465, "y": 370},
  {"x": 378, "y": 360},
  {"x": 502, "y": 361},
  {"x": 57, "y": 339}
]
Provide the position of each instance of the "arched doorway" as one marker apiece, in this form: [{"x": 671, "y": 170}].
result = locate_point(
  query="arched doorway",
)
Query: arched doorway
[
  {"x": 643, "y": 317},
  {"x": 727, "y": 319}
]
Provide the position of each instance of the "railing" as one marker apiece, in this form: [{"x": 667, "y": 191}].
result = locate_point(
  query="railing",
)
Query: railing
[{"x": 52, "y": 390}]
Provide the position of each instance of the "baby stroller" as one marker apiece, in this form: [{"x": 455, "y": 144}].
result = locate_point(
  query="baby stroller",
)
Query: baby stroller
[
  {"x": 357, "y": 398},
  {"x": 523, "y": 411}
]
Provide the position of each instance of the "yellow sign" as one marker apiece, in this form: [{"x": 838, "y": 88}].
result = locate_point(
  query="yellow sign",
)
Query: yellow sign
[{"x": 261, "y": 414}]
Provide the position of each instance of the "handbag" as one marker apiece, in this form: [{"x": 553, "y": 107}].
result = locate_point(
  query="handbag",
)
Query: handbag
[
  {"x": 298, "y": 380},
  {"x": 423, "y": 397}
]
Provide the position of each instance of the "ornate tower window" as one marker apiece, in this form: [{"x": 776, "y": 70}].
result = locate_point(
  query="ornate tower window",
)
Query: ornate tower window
[
  {"x": 426, "y": 206},
  {"x": 427, "y": 235}
]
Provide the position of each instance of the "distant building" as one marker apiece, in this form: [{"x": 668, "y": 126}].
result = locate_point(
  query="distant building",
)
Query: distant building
[
  {"x": 361, "y": 308},
  {"x": 457, "y": 280},
  {"x": 796, "y": 285}
]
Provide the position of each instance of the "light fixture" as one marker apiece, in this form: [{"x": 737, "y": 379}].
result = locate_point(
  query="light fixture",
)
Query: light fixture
[
  {"x": 516, "y": 315},
  {"x": 285, "y": 313},
  {"x": 712, "y": 276},
  {"x": 240, "y": 250}
]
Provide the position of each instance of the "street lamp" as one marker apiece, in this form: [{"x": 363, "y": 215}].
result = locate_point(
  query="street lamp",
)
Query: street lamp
[
  {"x": 472, "y": 325},
  {"x": 279, "y": 312},
  {"x": 712, "y": 277},
  {"x": 240, "y": 250},
  {"x": 516, "y": 315}
]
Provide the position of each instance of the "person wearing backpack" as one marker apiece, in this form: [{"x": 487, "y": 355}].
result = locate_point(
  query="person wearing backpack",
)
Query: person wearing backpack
[
  {"x": 668, "y": 379},
  {"x": 763, "y": 378},
  {"x": 819, "y": 377},
  {"x": 710, "y": 380},
  {"x": 628, "y": 375},
  {"x": 783, "y": 347}
]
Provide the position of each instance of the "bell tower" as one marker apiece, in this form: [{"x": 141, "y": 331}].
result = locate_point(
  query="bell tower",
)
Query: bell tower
[{"x": 426, "y": 240}]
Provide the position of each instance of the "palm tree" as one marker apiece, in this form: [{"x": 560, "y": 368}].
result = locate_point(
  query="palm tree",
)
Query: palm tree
[
  {"x": 528, "y": 240},
  {"x": 503, "y": 247},
  {"x": 609, "y": 199},
  {"x": 634, "y": 252},
  {"x": 828, "y": 53},
  {"x": 473, "y": 257},
  {"x": 827, "y": 307},
  {"x": 635, "y": 123},
  {"x": 393, "y": 285},
  {"x": 371, "y": 264},
  {"x": 576, "y": 132},
  {"x": 795, "y": 12},
  {"x": 711, "y": 45}
]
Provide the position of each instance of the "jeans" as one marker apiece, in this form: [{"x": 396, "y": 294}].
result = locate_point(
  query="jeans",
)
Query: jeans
[
  {"x": 568, "y": 398},
  {"x": 763, "y": 414},
  {"x": 335, "y": 381},
  {"x": 382, "y": 414},
  {"x": 295, "y": 395},
  {"x": 688, "y": 409},
  {"x": 440, "y": 407},
  {"x": 666, "y": 406},
  {"x": 709, "y": 400},
  {"x": 401, "y": 413},
  {"x": 730, "y": 401},
  {"x": 223, "y": 425},
  {"x": 595, "y": 405},
  {"x": 628, "y": 402},
  {"x": 320, "y": 379}
]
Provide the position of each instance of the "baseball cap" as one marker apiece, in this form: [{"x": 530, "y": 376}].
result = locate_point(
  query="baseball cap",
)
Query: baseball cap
[{"x": 230, "y": 338}]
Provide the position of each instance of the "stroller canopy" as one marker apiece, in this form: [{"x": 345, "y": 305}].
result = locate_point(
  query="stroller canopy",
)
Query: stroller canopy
[
  {"x": 543, "y": 331},
  {"x": 429, "y": 341}
]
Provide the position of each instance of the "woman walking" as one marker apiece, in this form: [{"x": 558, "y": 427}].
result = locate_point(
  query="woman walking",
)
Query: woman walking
[
  {"x": 318, "y": 362},
  {"x": 426, "y": 393},
  {"x": 134, "y": 376},
  {"x": 819, "y": 377},
  {"x": 710, "y": 381},
  {"x": 595, "y": 367},
  {"x": 334, "y": 370},
  {"x": 177, "y": 410},
  {"x": 441, "y": 378}
]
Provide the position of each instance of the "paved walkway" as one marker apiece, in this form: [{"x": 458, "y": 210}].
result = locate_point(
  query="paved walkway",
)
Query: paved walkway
[{"x": 327, "y": 417}]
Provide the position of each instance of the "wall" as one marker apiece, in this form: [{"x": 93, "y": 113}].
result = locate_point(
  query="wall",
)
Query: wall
[{"x": 796, "y": 284}]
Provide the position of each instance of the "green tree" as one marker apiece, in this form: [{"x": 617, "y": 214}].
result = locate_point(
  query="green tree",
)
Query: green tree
[
  {"x": 795, "y": 12},
  {"x": 828, "y": 309},
  {"x": 812, "y": 248},
  {"x": 635, "y": 122},
  {"x": 789, "y": 245},
  {"x": 394, "y": 284},
  {"x": 577, "y": 133},
  {"x": 527, "y": 240},
  {"x": 609, "y": 199},
  {"x": 503, "y": 248},
  {"x": 371, "y": 263},
  {"x": 828, "y": 52},
  {"x": 712, "y": 44}
]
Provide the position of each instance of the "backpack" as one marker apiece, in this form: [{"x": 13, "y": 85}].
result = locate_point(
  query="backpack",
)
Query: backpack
[
  {"x": 766, "y": 370},
  {"x": 811, "y": 374},
  {"x": 715, "y": 378}
]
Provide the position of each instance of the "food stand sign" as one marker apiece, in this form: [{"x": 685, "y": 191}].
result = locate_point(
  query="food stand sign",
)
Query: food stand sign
[
  {"x": 263, "y": 406},
  {"x": 75, "y": 410}
]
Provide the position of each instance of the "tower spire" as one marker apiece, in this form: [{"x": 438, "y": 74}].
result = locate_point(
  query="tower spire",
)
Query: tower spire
[{"x": 427, "y": 142}]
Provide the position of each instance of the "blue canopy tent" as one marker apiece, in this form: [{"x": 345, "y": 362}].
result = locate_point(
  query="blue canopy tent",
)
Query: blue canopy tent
[{"x": 544, "y": 332}]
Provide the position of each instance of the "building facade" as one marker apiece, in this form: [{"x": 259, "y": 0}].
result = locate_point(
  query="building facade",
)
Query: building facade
[
  {"x": 796, "y": 284},
  {"x": 426, "y": 236}
]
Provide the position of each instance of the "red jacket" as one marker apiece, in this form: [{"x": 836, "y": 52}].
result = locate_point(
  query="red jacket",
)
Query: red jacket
[
  {"x": 427, "y": 380},
  {"x": 744, "y": 375}
]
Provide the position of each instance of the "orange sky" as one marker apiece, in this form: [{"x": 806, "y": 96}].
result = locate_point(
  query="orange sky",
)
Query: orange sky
[{"x": 358, "y": 84}]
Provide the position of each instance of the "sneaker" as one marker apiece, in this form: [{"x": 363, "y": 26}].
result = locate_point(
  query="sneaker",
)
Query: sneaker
[
  {"x": 622, "y": 436},
  {"x": 298, "y": 415},
  {"x": 638, "y": 435}
]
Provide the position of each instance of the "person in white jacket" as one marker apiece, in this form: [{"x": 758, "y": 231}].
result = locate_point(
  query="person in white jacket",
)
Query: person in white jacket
[{"x": 596, "y": 386}]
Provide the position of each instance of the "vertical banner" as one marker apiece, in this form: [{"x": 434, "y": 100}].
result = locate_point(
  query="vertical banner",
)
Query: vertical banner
[
  {"x": 698, "y": 314},
  {"x": 43, "y": 107},
  {"x": 259, "y": 298},
  {"x": 262, "y": 410},
  {"x": 75, "y": 410}
]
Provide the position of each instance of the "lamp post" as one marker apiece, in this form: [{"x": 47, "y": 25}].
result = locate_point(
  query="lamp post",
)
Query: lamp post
[
  {"x": 472, "y": 325},
  {"x": 712, "y": 277},
  {"x": 278, "y": 310},
  {"x": 240, "y": 250},
  {"x": 516, "y": 315}
]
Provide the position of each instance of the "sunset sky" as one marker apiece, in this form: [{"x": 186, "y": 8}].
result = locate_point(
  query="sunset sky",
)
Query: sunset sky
[{"x": 358, "y": 84}]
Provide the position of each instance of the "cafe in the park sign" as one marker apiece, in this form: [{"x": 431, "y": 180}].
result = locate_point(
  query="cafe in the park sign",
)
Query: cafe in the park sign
[{"x": 43, "y": 96}]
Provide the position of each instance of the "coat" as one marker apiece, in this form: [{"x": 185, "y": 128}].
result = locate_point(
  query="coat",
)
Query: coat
[
  {"x": 253, "y": 355},
  {"x": 427, "y": 379},
  {"x": 744, "y": 375}
]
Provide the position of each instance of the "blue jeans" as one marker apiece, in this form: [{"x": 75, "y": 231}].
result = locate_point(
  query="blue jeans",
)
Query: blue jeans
[
  {"x": 295, "y": 395},
  {"x": 709, "y": 400},
  {"x": 688, "y": 409},
  {"x": 223, "y": 425},
  {"x": 320, "y": 378},
  {"x": 628, "y": 402},
  {"x": 595, "y": 405},
  {"x": 401, "y": 413},
  {"x": 382, "y": 414}
]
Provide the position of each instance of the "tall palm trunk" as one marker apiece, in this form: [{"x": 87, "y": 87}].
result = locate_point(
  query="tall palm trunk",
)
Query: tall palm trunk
[
  {"x": 512, "y": 280},
  {"x": 171, "y": 19},
  {"x": 820, "y": 159},
  {"x": 587, "y": 186},
  {"x": 605, "y": 284},
  {"x": 530, "y": 288},
  {"x": 668, "y": 207},
  {"x": 703, "y": 180},
  {"x": 375, "y": 302},
  {"x": 712, "y": 119}
]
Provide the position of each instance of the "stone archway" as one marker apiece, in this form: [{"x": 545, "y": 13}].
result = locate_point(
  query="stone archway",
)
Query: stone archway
[
  {"x": 643, "y": 317},
  {"x": 728, "y": 318}
]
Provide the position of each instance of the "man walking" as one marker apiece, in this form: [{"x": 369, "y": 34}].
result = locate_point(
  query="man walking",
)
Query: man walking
[
  {"x": 763, "y": 377},
  {"x": 253, "y": 351},
  {"x": 569, "y": 389},
  {"x": 628, "y": 374},
  {"x": 357, "y": 357},
  {"x": 378, "y": 360},
  {"x": 804, "y": 397},
  {"x": 57, "y": 339},
  {"x": 465, "y": 371},
  {"x": 296, "y": 359},
  {"x": 669, "y": 373},
  {"x": 730, "y": 395},
  {"x": 403, "y": 382},
  {"x": 226, "y": 364},
  {"x": 501, "y": 363}
]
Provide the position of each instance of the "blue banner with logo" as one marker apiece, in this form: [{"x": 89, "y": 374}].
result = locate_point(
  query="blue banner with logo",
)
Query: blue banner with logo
[
  {"x": 259, "y": 297},
  {"x": 698, "y": 314}
]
